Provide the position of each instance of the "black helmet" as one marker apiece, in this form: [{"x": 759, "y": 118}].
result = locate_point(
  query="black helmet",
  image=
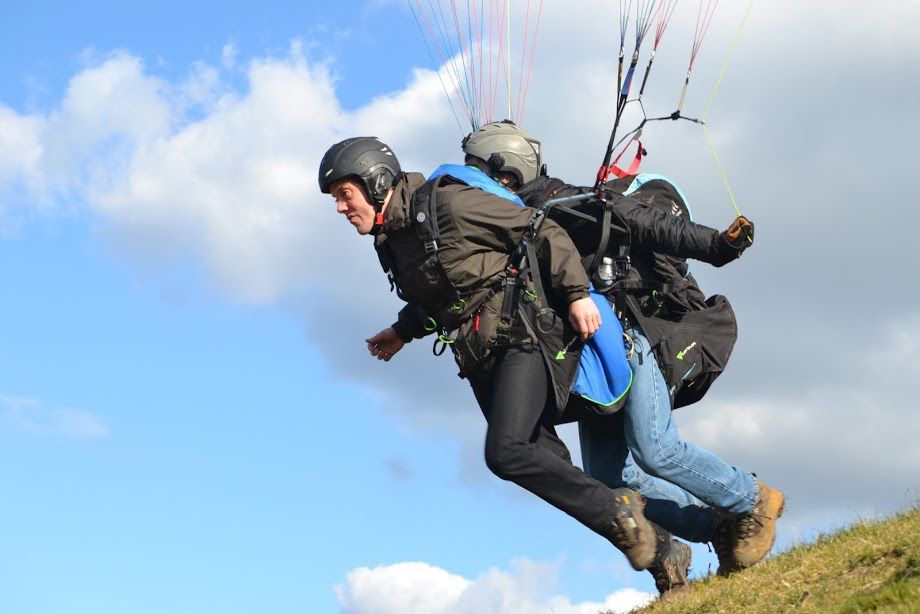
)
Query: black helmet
[
  {"x": 366, "y": 158},
  {"x": 506, "y": 149}
]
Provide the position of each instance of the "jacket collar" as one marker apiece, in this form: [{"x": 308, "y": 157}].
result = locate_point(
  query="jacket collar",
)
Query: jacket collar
[{"x": 396, "y": 216}]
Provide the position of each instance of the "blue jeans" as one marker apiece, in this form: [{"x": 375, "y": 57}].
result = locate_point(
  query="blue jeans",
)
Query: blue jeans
[{"x": 640, "y": 447}]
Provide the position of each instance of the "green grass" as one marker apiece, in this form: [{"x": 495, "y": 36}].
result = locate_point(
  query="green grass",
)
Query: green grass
[{"x": 870, "y": 567}]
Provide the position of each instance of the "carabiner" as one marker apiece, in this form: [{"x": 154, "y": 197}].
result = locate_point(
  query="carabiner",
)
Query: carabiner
[{"x": 540, "y": 318}]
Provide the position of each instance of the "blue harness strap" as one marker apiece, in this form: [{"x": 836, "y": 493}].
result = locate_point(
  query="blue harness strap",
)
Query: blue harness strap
[{"x": 475, "y": 178}]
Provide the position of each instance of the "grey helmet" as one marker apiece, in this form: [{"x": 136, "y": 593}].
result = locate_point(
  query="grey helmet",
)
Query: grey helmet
[
  {"x": 506, "y": 149},
  {"x": 365, "y": 158}
]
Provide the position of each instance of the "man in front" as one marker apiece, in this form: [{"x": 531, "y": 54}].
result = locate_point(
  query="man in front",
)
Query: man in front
[{"x": 471, "y": 267}]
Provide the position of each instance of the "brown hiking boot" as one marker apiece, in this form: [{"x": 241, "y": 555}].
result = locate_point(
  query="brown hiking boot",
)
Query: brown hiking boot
[
  {"x": 723, "y": 542},
  {"x": 755, "y": 532},
  {"x": 631, "y": 532},
  {"x": 671, "y": 566}
]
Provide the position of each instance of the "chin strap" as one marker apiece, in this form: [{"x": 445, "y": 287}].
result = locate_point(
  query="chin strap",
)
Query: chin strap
[{"x": 378, "y": 223}]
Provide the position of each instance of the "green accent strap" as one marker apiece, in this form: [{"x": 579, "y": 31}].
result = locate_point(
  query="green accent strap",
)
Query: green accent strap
[
  {"x": 458, "y": 306},
  {"x": 616, "y": 400},
  {"x": 445, "y": 340},
  {"x": 431, "y": 325},
  {"x": 561, "y": 354}
]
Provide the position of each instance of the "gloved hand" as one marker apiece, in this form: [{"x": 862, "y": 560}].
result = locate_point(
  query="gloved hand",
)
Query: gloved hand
[{"x": 740, "y": 234}]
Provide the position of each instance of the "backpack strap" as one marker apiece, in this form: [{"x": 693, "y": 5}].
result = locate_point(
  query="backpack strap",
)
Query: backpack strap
[
  {"x": 388, "y": 263},
  {"x": 425, "y": 216}
]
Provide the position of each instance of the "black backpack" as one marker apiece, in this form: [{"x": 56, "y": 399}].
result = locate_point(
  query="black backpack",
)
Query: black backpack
[{"x": 692, "y": 335}]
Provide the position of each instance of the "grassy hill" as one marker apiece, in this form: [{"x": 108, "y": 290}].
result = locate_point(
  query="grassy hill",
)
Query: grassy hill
[{"x": 873, "y": 566}]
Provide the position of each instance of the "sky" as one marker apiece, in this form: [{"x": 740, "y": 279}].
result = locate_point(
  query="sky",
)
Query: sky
[{"x": 189, "y": 421}]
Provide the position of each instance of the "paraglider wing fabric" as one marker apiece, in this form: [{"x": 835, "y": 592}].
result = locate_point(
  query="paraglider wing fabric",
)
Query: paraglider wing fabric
[{"x": 604, "y": 375}]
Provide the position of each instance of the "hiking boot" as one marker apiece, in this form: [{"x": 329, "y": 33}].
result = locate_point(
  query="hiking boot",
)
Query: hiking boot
[
  {"x": 723, "y": 542},
  {"x": 631, "y": 532},
  {"x": 671, "y": 565},
  {"x": 755, "y": 532}
]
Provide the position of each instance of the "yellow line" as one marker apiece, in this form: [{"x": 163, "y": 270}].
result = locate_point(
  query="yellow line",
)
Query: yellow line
[
  {"x": 728, "y": 59},
  {"x": 715, "y": 89},
  {"x": 712, "y": 148}
]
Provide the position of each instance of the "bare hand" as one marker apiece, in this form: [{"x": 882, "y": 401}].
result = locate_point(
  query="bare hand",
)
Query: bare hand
[
  {"x": 584, "y": 317},
  {"x": 385, "y": 344}
]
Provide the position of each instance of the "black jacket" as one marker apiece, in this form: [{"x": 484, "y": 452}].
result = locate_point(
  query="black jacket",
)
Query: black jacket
[{"x": 651, "y": 230}]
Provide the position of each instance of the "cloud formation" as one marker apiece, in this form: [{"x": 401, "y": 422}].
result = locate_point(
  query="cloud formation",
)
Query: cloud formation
[
  {"x": 420, "y": 588},
  {"x": 30, "y": 415}
]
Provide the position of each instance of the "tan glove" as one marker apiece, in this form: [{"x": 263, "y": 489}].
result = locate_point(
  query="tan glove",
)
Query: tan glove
[{"x": 740, "y": 234}]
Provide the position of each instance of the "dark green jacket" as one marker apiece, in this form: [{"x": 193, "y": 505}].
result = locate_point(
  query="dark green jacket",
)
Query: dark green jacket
[{"x": 478, "y": 232}]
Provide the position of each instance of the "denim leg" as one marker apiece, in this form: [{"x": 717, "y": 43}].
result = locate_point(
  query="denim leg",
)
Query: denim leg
[
  {"x": 658, "y": 450},
  {"x": 606, "y": 457}
]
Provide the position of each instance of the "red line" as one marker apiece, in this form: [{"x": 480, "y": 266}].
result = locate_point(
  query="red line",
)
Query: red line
[
  {"x": 523, "y": 59},
  {"x": 478, "y": 30},
  {"x": 437, "y": 45},
  {"x": 533, "y": 48},
  {"x": 501, "y": 56}
]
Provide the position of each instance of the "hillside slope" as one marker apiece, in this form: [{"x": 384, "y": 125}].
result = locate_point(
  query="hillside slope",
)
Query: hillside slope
[{"x": 872, "y": 566}]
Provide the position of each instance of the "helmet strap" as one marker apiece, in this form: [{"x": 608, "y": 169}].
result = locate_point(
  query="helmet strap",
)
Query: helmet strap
[{"x": 378, "y": 221}]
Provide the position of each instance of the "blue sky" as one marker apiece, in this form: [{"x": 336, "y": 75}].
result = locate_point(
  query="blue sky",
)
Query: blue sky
[
  {"x": 188, "y": 420},
  {"x": 51, "y": 40}
]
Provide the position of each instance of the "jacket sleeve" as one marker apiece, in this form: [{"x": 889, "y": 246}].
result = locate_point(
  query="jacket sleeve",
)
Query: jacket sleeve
[
  {"x": 559, "y": 259},
  {"x": 655, "y": 231},
  {"x": 410, "y": 323},
  {"x": 500, "y": 225}
]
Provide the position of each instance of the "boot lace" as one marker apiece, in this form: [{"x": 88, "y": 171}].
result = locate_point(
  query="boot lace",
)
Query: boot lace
[
  {"x": 722, "y": 543},
  {"x": 749, "y": 525}
]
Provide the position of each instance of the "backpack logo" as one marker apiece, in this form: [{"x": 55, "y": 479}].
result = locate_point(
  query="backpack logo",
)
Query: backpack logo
[{"x": 683, "y": 352}]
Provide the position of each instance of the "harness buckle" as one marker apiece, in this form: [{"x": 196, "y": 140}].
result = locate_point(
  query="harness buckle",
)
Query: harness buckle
[
  {"x": 621, "y": 267},
  {"x": 431, "y": 247}
]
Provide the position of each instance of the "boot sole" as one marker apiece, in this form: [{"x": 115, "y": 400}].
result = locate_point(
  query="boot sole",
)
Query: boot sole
[
  {"x": 685, "y": 560},
  {"x": 641, "y": 558},
  {"x": 779, "y": 512},
  {"x": 645, "y": 527}
]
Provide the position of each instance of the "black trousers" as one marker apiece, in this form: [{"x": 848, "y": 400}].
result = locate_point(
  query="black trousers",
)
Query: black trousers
[{"x": 513, "y": 391}]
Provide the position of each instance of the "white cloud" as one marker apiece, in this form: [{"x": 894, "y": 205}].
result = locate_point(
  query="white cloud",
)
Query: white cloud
[
  {"x": 228, "y": 54},
  {"x": 20, "y": 147},
  {"x": 420, "y": 588},
  {"x": 29, "y": 415},
  {"x": 78, "y": 424}
]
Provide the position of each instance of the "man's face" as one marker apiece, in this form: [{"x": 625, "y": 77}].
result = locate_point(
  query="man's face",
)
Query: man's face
[
  {"x": 352, "y": 202},
  {"x": 509, "y": 180}
]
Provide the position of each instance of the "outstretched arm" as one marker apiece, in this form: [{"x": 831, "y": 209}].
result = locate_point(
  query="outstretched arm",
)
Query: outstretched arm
[{"x": 655, "y": 231}]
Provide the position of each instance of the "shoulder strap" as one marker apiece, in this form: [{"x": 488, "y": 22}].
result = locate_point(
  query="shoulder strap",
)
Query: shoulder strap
[{"x": 425, "y": 215}]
